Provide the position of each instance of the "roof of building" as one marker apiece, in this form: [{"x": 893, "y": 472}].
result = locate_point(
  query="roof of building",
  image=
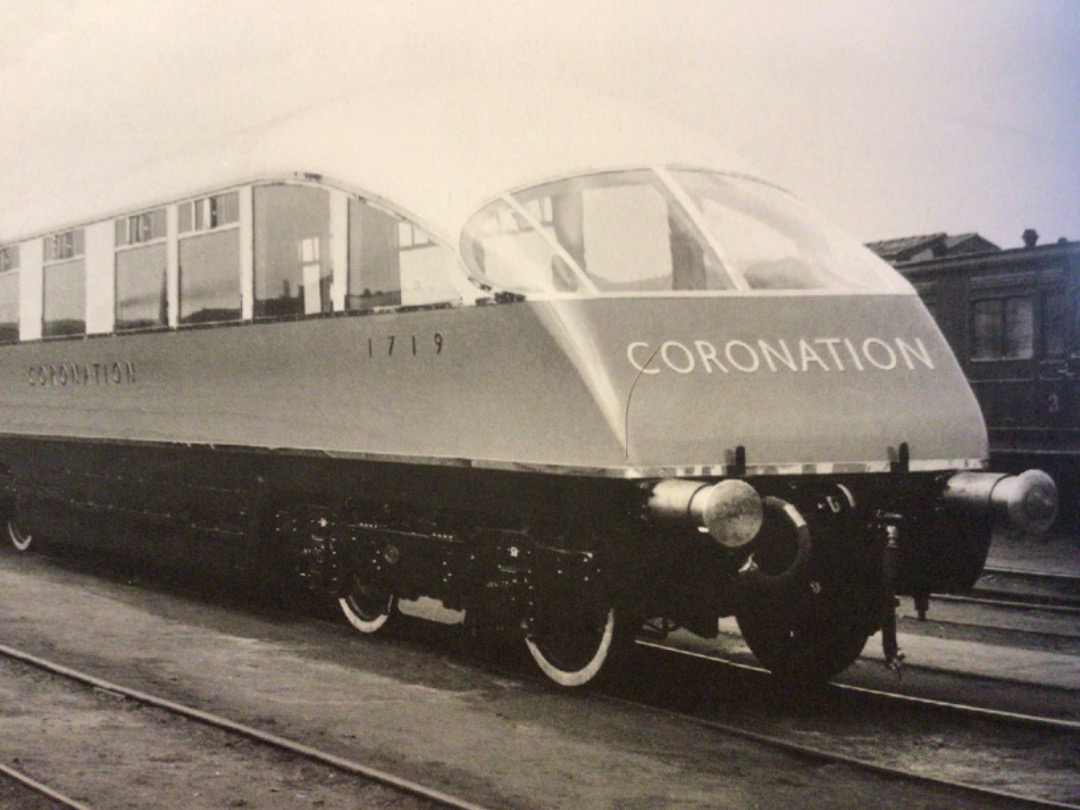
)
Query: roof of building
[
  {"x": 931, "y": 246},
  {"x": 899, "y": 249}
]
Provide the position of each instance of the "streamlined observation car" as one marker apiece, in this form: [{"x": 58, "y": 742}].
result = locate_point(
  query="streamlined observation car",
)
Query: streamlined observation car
[{"x": 563, "y": 369}]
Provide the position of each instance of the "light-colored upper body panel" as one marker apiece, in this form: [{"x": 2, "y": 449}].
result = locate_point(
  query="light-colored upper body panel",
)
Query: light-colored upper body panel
[{"x": 436, "y": 156}]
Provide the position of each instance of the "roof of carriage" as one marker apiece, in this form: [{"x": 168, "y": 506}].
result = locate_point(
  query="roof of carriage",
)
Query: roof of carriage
[{"x": 437, "y": 155}]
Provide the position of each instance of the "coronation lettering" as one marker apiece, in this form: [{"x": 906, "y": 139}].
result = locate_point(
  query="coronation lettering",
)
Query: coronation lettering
[
  {"x": 65, "y": 374},
  {"x": 825, "y": 354}
]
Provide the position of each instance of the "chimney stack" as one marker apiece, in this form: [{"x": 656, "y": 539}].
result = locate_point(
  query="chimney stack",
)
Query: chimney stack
[{"x": 1030, "y": 237}]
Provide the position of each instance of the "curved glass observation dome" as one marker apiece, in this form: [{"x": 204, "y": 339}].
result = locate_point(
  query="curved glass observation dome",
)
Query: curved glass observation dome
[{"x": 662, "y": 230}]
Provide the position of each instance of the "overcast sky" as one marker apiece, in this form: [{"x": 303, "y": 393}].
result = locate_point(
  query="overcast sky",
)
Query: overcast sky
[{"x": 895, "y": 118}]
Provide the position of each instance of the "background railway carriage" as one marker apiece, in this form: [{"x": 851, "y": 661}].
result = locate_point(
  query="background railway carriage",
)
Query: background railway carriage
[
  {"x": 1011, "y": 318},
  {"x": 553, "y": 364}
]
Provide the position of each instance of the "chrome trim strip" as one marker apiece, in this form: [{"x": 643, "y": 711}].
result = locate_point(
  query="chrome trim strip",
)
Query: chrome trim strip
[{"x": 627, "y": 473}]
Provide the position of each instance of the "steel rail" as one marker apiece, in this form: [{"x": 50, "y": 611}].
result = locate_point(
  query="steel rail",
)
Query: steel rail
[
  {"x": 299, "y": 749},
  {"x": 865, "y": 764},
  {"x": 824, "y": 755},
  {"x": 1053, "y": 576},
  {"x": 1022, "y": 603},
  {"x": 44, "y": 790},
  {"x": 1000, "y": 715}
]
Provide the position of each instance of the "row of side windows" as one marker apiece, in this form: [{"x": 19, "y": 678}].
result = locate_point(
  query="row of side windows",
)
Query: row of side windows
[{"x": 311, "y": 251}]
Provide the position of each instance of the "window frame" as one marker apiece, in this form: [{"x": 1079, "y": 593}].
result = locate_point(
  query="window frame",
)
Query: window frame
[
  {"x": 1001, "y": 299},
  {"x": 9, "y": 258},
  {"x": 97, "y": 247},
  {"x": 13, "y": 273}
]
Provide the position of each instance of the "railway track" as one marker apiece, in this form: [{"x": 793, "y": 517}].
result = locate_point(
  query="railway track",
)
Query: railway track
[
  {"x": 788, "y": 742},
  {"x": 895, "y": 739},
  {"x": 402, "y": 787},
  {"x": 56, "y": 799},
  {"x": 1015, "y": 588}
]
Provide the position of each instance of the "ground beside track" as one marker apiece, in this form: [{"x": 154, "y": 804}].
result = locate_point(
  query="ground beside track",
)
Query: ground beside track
[
  {"x": 1053, "y": 553},
  {"x": 118, "y": 754}
]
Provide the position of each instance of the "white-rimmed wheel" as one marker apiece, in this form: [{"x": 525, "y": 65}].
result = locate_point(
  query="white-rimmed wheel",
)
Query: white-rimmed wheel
[
  {"x": 368, "y": 607},
  {"x": 571, "y": 646},
  {"x": 20, "y": 539}
]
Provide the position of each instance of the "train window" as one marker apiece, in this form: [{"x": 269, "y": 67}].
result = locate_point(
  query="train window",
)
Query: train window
[
  {"x": 141, "y": 287},
  {"x": 1055, "y": 324},
  {"x": 63, "y": 246},
  {"x": 64, "y": 310},
  {"x": 9, "y": 305},
  {"x": 64, "y": 305},
  {"x": 209, "y": 213},
  {"x": 506, "y": 251},
  {"x": 210, "y": 277},
  {"x": 651, "y": 231},
  {"x": 771, "y": 241},
  {"x": 393, "y": 262},
  {"x": 292, "y": 251},
  {"x": 140, "y": 228},
  {"x": 1003, "y": 329},
  {"x": 9, "y": 258},
  {"x": 141, "y": 297}
]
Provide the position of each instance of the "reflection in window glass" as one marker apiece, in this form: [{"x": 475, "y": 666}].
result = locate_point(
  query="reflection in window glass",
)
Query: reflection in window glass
[
  {"x": 374, "y": 266},
  {"x": 292, "y": 251},
  {"x": 141, "y": 288},
  {"x": 210, "y": 277},
  {"x": 9, "y": 307},
  {"x": 624, "y": 230},
  {"x": 65, "y": 299},
  {"x": 614, "y": 256},
  {"x": 508, "y": 253},
  {"x": 393, "y": 262},
  {"x": 774, "y": 242},
  {"x": 647, "y": 231}
]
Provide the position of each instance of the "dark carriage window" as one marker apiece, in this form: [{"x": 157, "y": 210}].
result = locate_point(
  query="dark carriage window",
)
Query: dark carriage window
[
  {"x": 393, "y": 262},
  {"x": 1003, "y": 328},
  {"x": 141, "y": 284},
  {"x": 65, "y": 299},
  {"x": 210, "y": 277},
  {"x": 67, "y": 245},
  {"x": 141, "y": 288},
  {"x": 292, "y": 251},
  {"x": 1055, "y": 324},
  {"x": 374, "y": 262},
  {"x": 141, "y": 228},
  {"x": 64, "y": 305},
  {"x": 9, "y": 306},
  {"x": 209, "y": 213}
]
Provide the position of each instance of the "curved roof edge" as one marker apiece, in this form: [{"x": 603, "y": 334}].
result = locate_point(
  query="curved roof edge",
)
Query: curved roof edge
[{"x": 437, "y": 156}]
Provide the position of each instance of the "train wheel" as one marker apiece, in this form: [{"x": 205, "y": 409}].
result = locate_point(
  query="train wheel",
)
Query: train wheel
[
  {"x": 368, "y": 607},
  {"x": 805, "y": 647},
  {"x": 570, "y": 648},
  {"x": 20, "y": 539}
]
